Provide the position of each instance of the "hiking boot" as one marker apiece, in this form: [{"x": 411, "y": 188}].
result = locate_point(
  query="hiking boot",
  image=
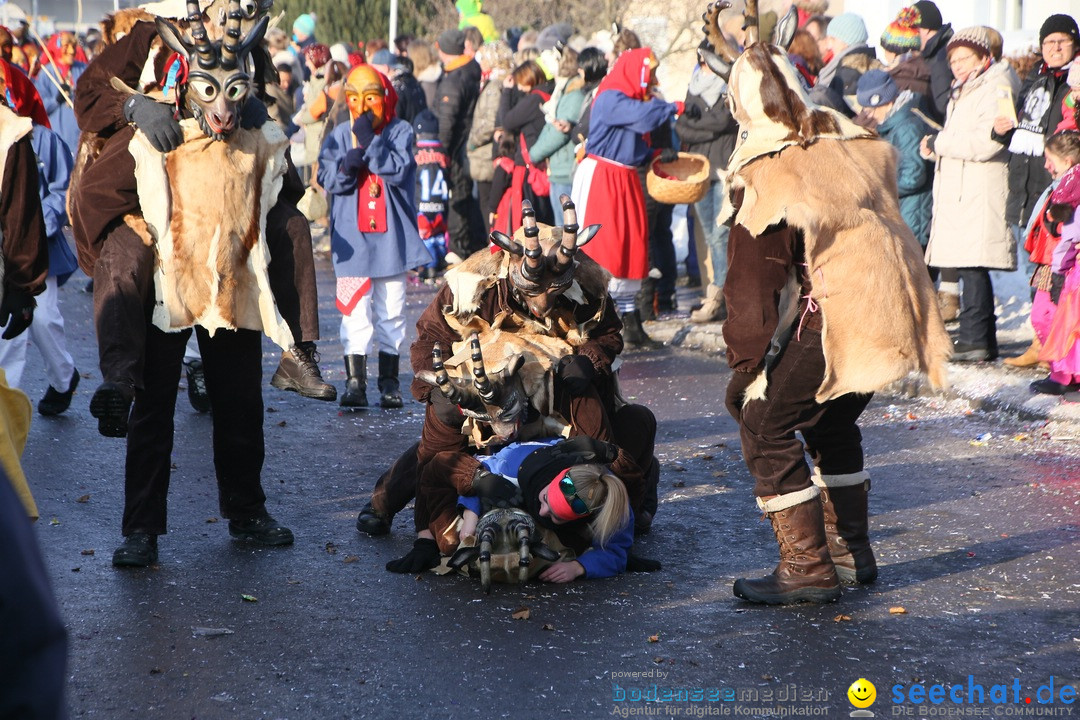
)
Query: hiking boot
[
  {"x": 299, "y": 372},
  {"x": 139, "y": 550},
  {"x": 196, "y": 386},
  {"x": 261, "y": 530}
]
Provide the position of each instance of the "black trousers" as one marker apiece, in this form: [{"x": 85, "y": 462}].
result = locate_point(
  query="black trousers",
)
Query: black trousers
[
  {"x": 232, "y": 361},
  {"x": 978, "y": 323},
  {"x": 124, "y": 290},
  {"x": 771, "y": 450},
  {"x": 464, "y": 220}
]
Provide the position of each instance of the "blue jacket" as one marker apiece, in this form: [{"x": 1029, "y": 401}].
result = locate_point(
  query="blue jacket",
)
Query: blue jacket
[
  {"x": 599, "y": 561},
  {"x": 61, "y": 116},
  {"x": 618, "y": 124},
  {"x": 365, "y": 254},
  {"x": 915, "y": 177},
  {"x": 54, "y": 170}
]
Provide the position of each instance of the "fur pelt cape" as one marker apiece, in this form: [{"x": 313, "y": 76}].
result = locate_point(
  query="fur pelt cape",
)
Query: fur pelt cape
[
  {"x": 205, "y": 206},
  {"x": 836, "y": 183},
  {"x": 12, "y": 129}
]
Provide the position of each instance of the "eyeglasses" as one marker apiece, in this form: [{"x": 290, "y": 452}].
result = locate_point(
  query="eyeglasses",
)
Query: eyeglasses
[
  {"x": 1057, "y": 43},
  {"x": 570, "y": 493}
]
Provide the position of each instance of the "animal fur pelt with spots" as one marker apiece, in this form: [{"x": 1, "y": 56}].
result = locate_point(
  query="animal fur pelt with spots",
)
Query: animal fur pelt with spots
[{"x": 205, "y": 205}]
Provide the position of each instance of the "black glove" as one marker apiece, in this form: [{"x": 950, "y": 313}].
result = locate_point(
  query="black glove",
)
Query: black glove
[
  {"x": 495, "y": 489},
  {"x": 447, "y": 412},
  {"x": 669, "y": 155},
  {"x": 423, "y": 556},
  {"x": 589, "y": 450},
  {"x": 577, "y": 372},
  {"x": 353, "y": 162},
  {"x": 636, "y": 563},
  {"x": 693, "y": 112},
  {"x": 66, "y": 89},
  {"x": 363, "y": 130},
  {"x": 253, "y": 115},
  {"x": 1057, "y": 284},
  {"x": 16, "y": 311},
  {"x": 155, "y": 120},
  {"x": 736, "y": 388}
]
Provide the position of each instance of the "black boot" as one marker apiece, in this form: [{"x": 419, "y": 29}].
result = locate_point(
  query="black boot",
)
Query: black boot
[
  {"x": 389, "y": 387},
  {"x": 847, "y": 528},
  {"x": 111, "y": 405},
  {"x": 299, "y": 372},
  {"x": 645, "y": 300},
  {"x": 355, "y": 395},
  {"x": 373, "y": 522},
  {"x": 633, "y": 332}
]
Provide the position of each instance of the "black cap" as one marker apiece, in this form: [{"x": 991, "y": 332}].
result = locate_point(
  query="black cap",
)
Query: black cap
[
  {"x": 929, "y": 15},
  {"x": 425, "y": 123}
]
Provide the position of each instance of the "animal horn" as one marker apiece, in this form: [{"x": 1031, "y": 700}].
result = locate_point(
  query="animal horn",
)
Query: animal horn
[
  {"x": 231, "y": 42},
  {"x": 446, "y": 387},
  {"x": 487, "y": 539},
  {"x": 750, "y": 24},
  {"x": 525, "y": 557},
  {"x": 715, "y": 36},
  {"x": 533, "y": 265},
  {"x": 506, "y": 242},
  {"x": 568, "y": 246},
  {"x": 784, "y": 32},
  {"x": 207, "y": 56},
  {"x": 480, "y": 378}
]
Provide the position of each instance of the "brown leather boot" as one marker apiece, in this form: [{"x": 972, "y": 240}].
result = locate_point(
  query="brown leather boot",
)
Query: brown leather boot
[
  {"x": 847, "y": 526},
  {"x": 1030, "y": 356},
  {"x": 805, "y": 572}
]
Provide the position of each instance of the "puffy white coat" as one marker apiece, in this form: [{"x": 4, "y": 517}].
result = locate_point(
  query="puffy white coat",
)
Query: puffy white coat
[{"x": 968, "y": 228}]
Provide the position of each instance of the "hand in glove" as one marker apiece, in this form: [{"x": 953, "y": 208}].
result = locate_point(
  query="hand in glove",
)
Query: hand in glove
[
  {"x": 16, "y": 312},
  {"x": 156, "y": 121},
  {"x": 447, "y": 412},
  {"x": 692, "y": 112},
  {"x": 423, "y": 556},
  {"x": 576, "y": 372},
  {"x": 736, "y": 389},
  {"x": 589, "y": 450},
  {"x": 253, "y": 115},
  {"x": 669, "y": 155},
  {"x": 353, "y": 162},
  {"x": 363, "y": 129},
  {"x": 495, "y": 489}
]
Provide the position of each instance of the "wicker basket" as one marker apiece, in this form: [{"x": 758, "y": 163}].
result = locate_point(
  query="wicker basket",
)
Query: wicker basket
[{"x": 681, "y": 182}]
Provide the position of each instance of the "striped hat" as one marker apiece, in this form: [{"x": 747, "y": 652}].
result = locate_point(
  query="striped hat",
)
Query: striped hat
[{"x": 901, "y": 35}]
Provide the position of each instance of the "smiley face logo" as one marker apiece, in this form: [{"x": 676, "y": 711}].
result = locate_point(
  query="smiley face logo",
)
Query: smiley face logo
[{"x": 862, "y": 693}]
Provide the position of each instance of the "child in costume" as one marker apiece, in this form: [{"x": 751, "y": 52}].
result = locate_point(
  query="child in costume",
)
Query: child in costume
[
  {"x": 1061, "y": 349},
  {"x": 369, "y": 172},
  {"x": 431, "y": 189}
]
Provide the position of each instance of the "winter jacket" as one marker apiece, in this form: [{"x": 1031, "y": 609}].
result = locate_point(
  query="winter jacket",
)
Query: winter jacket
[
  {"x": 54, "y": 171},
  {"x": 712, "y": 134},
  {"x": 482, "y": 133},
  {"x": 915, "y": 177},
  {"x": 455, "y": 100},
  {"x": 411, "y": 99},
  {"x": 523, "y": 115},
  {"x": 1039, "y": 111},
  {"x": 937, "y": 57},
  {"x": 912, "y": 72},
  {"x": 61, "y": 115},
  {"x": 24, "y": 258},
  {"x": 555, "y": 146},
  {"x": 842, "y": 73},
  {"x": 969, "y": 227}
]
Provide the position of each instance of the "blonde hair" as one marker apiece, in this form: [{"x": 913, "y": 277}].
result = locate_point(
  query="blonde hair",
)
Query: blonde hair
[
  {"x": 422, "y": 55},
  {"x": 495, "y": 56},
  {"x": 605, "y": 495}
]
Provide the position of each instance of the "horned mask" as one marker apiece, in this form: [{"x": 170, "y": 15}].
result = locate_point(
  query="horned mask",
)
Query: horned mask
[
  {"x": 218, "y": 73},
  {"x": 542, "y": 263}
]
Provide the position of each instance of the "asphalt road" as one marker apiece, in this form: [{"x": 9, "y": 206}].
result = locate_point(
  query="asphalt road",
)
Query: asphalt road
[{"x": 978, "y": 542}]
